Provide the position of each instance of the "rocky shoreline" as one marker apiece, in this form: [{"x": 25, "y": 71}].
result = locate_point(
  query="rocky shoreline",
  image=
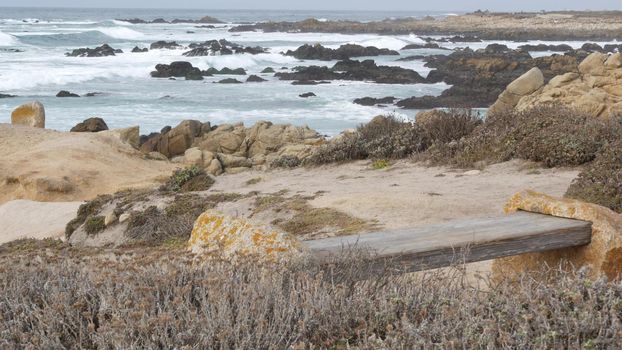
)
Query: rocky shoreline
[{"x": 562, "y": 25}]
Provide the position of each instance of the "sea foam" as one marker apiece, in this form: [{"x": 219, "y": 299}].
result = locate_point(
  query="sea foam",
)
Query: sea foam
[{"x": 7, "y": 40}]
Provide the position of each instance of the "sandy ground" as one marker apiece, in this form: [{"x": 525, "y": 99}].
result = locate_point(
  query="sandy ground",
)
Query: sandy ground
[
  {"x": 47, "y": 165},
  {"x": 406, "y": 194},
  {"x": 28, "y": 219}
]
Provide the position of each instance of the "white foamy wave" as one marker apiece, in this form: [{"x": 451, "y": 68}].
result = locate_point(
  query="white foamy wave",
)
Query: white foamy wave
[
  {"x": 384, "y": 43},
  {"x": 121, "y": 23},
  {"x": 415, "y": 39},
  {"x": 121, "y": 33},
  {"x": 7, "y": 40},
  {"x": 245, "y": 61},
  {"x": 36, "y": 74}
]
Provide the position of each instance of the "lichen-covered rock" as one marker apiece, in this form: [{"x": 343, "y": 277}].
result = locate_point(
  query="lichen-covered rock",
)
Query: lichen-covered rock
[
  {"x": 603, "y": 255},
  {"x": 30, "y": 114},
  {"x": 215, "y": 234}
]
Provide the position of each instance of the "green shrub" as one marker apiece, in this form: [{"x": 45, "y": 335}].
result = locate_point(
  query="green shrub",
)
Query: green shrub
[
  {"x": 85, "y": 211},
  {"x": 601, "y": 181},
  {"x": 94, "y": 225},
  {"x": 188, "y": 180},
  {"x": 380, "y": 164}
]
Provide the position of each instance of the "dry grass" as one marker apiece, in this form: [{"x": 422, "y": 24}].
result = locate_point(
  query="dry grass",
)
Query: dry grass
[
  {"x": 157, "y": 299},
  {"x": 297, "y": 217},
  {"x": 175, "y": 222}
]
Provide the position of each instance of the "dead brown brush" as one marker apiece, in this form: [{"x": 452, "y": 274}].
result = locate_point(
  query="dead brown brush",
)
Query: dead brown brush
[
  {"x": 550, "y": 134},
  {"x": 159, "y": 300},
  {"x": 601, "y": 181}
]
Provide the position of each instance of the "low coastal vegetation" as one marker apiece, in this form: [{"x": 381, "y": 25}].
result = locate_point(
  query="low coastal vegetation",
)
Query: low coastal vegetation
[
  {"x": 551, "y": 135},
  {"x": 159, "y": 299}
]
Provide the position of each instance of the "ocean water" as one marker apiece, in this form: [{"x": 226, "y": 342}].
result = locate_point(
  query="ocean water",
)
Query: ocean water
[{"x": 129, "y": 96}]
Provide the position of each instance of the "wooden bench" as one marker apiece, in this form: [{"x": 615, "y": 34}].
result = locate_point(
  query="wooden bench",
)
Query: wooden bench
[{"x": 462, "y": 241}]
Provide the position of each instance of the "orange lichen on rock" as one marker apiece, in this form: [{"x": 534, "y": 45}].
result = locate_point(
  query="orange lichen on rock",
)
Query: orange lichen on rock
[
  {"x": 231, "y": 238},
  {"x": 29, "y": 114},
  {"x": 603, "y": 255}
]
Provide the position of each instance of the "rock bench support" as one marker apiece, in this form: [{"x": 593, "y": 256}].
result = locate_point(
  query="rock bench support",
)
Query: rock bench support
[{"x": 461, "y": 241}]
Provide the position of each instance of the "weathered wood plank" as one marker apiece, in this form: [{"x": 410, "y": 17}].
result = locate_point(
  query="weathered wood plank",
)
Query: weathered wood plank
[{"x": 469, "y": 240}]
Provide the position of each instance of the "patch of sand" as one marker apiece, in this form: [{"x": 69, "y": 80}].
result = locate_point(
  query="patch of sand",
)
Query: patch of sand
[
  {"x": 28, "y": 219},
  {"x": 405, "y": 194},
  {"x": 47, "y": 165}
]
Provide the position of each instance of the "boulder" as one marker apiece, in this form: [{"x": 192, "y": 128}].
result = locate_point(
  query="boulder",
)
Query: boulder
[
  {"x": 101, "y": 51},
  {"x": 219, "y": 236},
  {"x": 255, "y": 79},
  {"x": 265, "y": 137},
  {"x": 603, "y": 255},
  {"x": 227, "y": 139},
  {"x": 231, "y": 161},
  {"x": 180, "y": 138},
  {"x": 170, "y": 45},
  {"x": 65, "y": 93},
  {"x": 307, "y": 95},
  {"x": 229, "y": 81},
  {"x": 193, "y": 156},
  {"x": 129, "y": 135},
  {"x": 371, "y": 101},
  {"x": 523, "y": 86},
  {"x": 355, "y": 71},
  {"x": 214, "y": 167},
  {"x": 594, "y": 64},
  {"x": 137, "y": 49},
  {"x": 90, "y": 125},
  {"x": 177, "y": 69},
  {"x": 319, "y": 52},
  {"x": 30, "y": 114},
  {"x": 596, "y": 89}
]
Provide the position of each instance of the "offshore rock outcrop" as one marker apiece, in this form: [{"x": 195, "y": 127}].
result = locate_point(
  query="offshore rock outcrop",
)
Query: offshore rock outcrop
[
  {"x": 319, "y": 52},
  {"x": 478, "y": 77},
  {"x": 100, "y": 51},
  {"x": 221, "y": 47},
  {"x": 472, "y": 26},
  {"x": 206, "y": 19},
  {"x": 356, "y": 71}
]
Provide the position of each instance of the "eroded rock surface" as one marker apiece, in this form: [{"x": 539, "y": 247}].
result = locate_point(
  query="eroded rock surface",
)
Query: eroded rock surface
[{"x": 603, "y": 255}]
